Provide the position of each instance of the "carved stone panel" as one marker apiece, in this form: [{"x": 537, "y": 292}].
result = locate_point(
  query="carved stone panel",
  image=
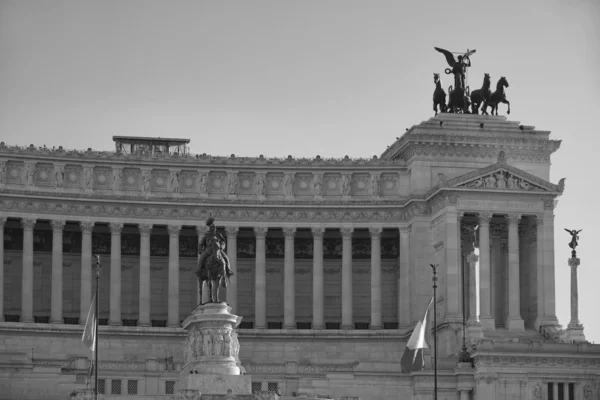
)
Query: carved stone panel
[
  {"x": 188, "y": 181},
  {"x": 303, "y": 185},
  {"x": 361, "y": 185},
  {"x": 332, "y": 184},
  {"x": 246, "y": 183},
  {"x": 160, "y": 180},
  {"x": 14, "y": 172},
  {"x": 389, "y": 184},
  {"x": 103, "y": 178},
  {"x": 73, "y": 176},
  {"x": 44, "y": 174},
  {"x": 218, "y": 182},
  {"x": 132, "y": 180}
]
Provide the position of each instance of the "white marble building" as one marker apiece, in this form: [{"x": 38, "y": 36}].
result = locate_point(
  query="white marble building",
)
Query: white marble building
[{"x": 331, "y": 260}]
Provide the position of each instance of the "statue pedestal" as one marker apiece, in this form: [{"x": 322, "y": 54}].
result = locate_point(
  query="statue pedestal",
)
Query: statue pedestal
[
  {"x": 575, "y": 333},
  {"x": 211, "y": 348}
]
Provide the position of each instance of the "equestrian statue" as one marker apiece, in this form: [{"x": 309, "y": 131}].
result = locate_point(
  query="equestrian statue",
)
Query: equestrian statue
[{"x": 213, "y": 263}]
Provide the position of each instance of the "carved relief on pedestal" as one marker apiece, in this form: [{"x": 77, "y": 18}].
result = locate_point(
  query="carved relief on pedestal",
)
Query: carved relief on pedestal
[
  {"x": 88, "y": 177},
  {"x": 318, "y": 185},
  {"x": 346, "y": 185},
  {"x": 389, "y": 184},
  {"x": 375, "y": 185},
  {"x": 288, "y": 184}
]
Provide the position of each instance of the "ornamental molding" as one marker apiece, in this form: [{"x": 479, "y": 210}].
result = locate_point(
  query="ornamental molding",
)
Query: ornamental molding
[
  {"x": 537, "y": 361},
  {"x": 224, "y": 212}
]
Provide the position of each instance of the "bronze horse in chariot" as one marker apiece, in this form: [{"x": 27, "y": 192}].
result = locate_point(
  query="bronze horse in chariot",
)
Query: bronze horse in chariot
[
  {"x": 439, "y": 96},
  {"x": 497, "y": 97},
  {"x": 479, "y": 96}
]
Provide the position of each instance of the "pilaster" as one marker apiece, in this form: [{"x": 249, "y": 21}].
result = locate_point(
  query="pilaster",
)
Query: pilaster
[
  {"x": 173, "y": 285},
  {"x": 115, "y": 274},
  {"x": 289, "y": 304},
  {"x": 485, "y": 274},
  {"x": 27, "y": 277},
  {"x": 56, "y": 298},
  {"x": 87, "y": 228},
  {"x": 2, "y": 222},
  {"x": 376, "y": 316},
  {"x": 260, "y": 302},
  {"x": 318, "y": 321},
  {"x": 347, "y": 303},
  {"x": 404, "y": 275},
  {"x": 144, "y": 299}
]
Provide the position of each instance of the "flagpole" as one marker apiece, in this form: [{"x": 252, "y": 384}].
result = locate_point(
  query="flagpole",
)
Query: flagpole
[
  {"x": 434, "y": 267},
  {"x": 96, "y": 329}
]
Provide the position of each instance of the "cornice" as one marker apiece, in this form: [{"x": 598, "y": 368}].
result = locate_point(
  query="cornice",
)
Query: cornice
[{"x": 112, "y": 158}]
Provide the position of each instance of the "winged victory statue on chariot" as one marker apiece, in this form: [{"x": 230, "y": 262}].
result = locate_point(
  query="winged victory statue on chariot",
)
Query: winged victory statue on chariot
[{"x": 460, "y": 98}]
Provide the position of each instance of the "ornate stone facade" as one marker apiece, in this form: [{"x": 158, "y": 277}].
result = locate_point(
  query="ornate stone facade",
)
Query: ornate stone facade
[{"x": 330, "y": 259}]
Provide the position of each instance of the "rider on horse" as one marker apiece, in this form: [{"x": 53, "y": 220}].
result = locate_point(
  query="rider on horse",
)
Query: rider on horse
[{"x": 204, "y": 248}]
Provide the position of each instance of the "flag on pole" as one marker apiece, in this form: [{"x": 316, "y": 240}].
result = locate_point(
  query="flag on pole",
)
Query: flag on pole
[
  {"x": 89, "y": 333},
  {"x": 412, "y": 357}
]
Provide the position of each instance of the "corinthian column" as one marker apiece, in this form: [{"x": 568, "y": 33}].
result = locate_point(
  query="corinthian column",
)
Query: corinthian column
[
  {"x": 2, "y": 222},
  {"x": 27, "y": 278},
  {"x": 485, "y": 274},
  {"x": 539, "y": 270},
  {"x": 260, "y": 281},
  {"x": 347, "y": 320},
  {"x": 318, "y": 279},
  {"x": 514, "y": 321},
  {"x": 115, "y": 274},
  {"x": 289, "y": 304},
  {"x": 173, "y": 296},
  {"x": 86, "y": 270},
  {"x": 56, "y": 298},
  {"x": 232, "y": 232},
  {"x": 144, "y": 318},
  {"x": 376, "y": 318}
]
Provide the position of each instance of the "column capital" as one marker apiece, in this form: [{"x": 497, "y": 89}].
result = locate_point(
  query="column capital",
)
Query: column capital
[
  {"x": 375, "y": 232},
  {"x": 86, "y": 226},
  {"x": 289, "y": 233},
  {"x": 2, "y": 222},
  {"x": 346, "y": 232},
  {"x": 174, "y": 230},
  {"x": 539, "y": 219},
  {"x": 57, "y": 224},
  {"x": 260, "y": 232},
  {"x": 115, "y": 227},
  {"x": 485, "y": 218},
  {"x": 513, "y": 219},
  {"x": 145, "y": 229},
  {"x": 28, "y": 223},
  {"x": 232, "y": 231},
  {"x": 317, "y": 232}
]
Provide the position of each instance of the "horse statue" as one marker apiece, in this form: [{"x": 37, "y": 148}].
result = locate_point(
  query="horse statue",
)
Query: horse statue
[
  {"x": 479, "y": 96},
  {"x": 497, "y": 97},
  {"x": 213, "y": 271},
  {"x": 439, "y": 96},
  {"x": 458, "y": 100}
]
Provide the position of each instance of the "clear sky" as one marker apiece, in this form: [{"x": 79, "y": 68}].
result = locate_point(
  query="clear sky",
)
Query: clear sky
[{"x": 332, "y": 78}]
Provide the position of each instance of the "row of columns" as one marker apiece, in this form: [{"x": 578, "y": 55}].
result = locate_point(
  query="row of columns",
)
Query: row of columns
[
  {"x": 480, "y": 296},
  {"x": 173, "y": 275},
  {"x": 318, "y": 322}
]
